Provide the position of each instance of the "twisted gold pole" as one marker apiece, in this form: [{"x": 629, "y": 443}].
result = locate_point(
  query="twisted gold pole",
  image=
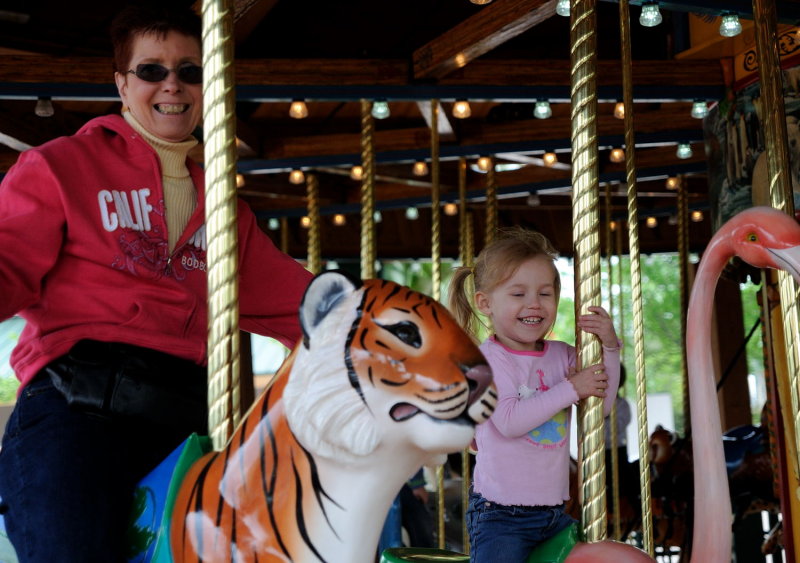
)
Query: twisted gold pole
[
  {"x": 683, "y": 265},
  {"x": 465, "y": 255},
  {"x": 314, "y": 239},
  {"x": 220, "y": 158},
  {"x": 491, "y": 203},
  {"x": 636, "y": 281},
  {"x": 585, "y": 221},
  {"x": 368, "y": 254},
  {"x": 612, "y": 419},
  {"x": 780, "y": 190}
]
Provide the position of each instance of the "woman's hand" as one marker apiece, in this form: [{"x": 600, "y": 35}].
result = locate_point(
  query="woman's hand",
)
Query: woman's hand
[{"x": 598, "y": 322}]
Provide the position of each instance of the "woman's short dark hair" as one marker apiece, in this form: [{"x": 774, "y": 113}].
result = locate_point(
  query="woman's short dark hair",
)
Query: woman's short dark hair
[{"x": 145, "y": 18}]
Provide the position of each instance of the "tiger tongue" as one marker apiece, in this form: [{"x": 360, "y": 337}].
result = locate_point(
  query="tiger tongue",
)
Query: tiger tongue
[{"x": 403, "y": 411}]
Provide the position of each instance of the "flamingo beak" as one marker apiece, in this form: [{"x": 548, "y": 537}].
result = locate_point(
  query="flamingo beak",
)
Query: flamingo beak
[{"x": 787, "y": 259}]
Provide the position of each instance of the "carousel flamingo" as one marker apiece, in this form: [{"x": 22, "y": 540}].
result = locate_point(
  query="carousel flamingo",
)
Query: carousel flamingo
[{"x": 765, "y": 238}]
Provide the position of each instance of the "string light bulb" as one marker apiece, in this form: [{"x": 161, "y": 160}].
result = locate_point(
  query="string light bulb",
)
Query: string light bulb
[
  {"x": 549, "y": 158},
  {"x": 684, "y": 151},
  {"x": 420, "y": 168},
  {"x": 357, "y": 172},
  {"x": 380, "y": 109},
  {"x": 296, "y": 176},
  {"x": 699, "y": 109},
  {"x": 377, "y": 216},
  {"x": 651, "y": 222},
  {"x": 412, "y": 213},
  {"x": 650, "y": 16},
  {"x": 239, "y": 180},
  {"x": 273, "y": 224},
  {"x": 730, "y": 26},
  {"x": 696, "y": 216},
  {"x": 562, "y": 8},
  {"x": 450, "y": 209},
  {"x": 484, "y": 163},
  {"x": 542, "y": 109},
  {"x": 619, "y": 110},
  {"x": 305, "y": 221},
  {"x": 617, "y": 155},
  {"x": 612, "y": 226},
  {"x": 480, "y": 2},
  {"x": 461, "y": 109},
  {"x": 298, "y": 109},
  {"x": 339, "y": 220},
  {"x": 44, "y": 107},
  {"x": 673, "y": 183}
]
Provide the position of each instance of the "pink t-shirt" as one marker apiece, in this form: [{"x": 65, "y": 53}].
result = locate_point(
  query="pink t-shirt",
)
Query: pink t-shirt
[{"x": 523, "y": 449}]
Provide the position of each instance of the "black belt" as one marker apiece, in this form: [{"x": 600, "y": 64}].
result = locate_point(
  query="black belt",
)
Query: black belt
[{"x": 114, "y": 379}]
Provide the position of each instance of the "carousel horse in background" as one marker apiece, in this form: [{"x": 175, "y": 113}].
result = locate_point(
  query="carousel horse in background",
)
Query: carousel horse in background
[{"x": 384, "y": 381}]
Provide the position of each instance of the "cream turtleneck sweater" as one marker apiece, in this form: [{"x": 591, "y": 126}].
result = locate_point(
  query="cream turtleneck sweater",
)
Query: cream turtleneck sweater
[{"x": 180, "y": 195}]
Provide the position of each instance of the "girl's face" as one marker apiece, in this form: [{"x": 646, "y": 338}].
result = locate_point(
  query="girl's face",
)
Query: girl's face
[
  {"x": 523, "y": 307},
  {"x": 169, "y": 109}
]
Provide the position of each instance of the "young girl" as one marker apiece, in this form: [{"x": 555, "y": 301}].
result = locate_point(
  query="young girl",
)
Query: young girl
[{"x": 521, "y": 475}]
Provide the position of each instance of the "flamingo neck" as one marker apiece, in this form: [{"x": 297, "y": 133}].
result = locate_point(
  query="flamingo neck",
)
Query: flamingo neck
[{"x": 712, "y": 507}]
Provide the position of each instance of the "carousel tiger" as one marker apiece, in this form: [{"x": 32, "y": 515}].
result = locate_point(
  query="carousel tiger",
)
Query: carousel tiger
[{"x": 383, "y": 382}]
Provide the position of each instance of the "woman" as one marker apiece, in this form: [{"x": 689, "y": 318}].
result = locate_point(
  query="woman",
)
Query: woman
[{"x": 103, "y": 252}]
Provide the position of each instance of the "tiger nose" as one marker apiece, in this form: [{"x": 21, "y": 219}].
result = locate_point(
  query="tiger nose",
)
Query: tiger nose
[{"x": 479, "y": 378}]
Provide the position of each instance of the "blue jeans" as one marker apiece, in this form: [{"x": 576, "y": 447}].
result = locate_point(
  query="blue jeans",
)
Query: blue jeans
[
  {"x": 67, "y": 477},
  {"x": 508, "y": 534}
]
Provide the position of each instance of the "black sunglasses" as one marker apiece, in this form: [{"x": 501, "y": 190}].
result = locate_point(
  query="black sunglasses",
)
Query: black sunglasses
[{"x": 153, "y": 72}]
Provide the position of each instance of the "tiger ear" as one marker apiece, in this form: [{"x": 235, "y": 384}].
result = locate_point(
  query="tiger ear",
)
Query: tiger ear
[{"x": 322, "y": 296}]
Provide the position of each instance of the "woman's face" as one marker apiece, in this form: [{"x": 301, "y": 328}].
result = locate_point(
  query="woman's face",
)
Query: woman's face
[{"x": 169, "y": 109}]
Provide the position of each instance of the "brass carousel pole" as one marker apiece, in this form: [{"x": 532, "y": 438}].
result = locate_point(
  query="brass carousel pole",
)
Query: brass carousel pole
[
  {"x": 220, "y": 158},
  {"x": 368, "y": 254},
  {"x": 781, "y": 197},
  {"x": 636, "y": 281},
  {"x": 466, "y": 255},
  {"x": 314, "y": 240},
  {"x": 612, "y": 419},
  {"x": 491, "y": 203},
  {"x": 583, "y": 88},
  {"x": 436, "y": 280},
  {"x": 683, "y": 264}
]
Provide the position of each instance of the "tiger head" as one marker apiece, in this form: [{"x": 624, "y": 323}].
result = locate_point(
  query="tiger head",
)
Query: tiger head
[{"x": 382, "y": 365}]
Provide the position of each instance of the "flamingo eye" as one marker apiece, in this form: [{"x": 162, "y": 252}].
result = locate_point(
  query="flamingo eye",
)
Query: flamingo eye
[{"x": 752, "y": 237}]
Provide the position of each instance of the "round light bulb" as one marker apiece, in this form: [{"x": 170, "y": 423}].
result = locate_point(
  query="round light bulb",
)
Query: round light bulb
[
  {"x": 44, "y": 107},
  {"x": 273, "y": 224},
  {"x": 296, "y": 176},
  {"x": 652, "y": 222},
  {"x": 480, "y": 2},
  {"x": 380, "y": 109},
  {"x": 357, "y": 172},
  {"x": 377, "y": 216},
  {"x": 619, "y": 110},
  {"x": 562, "y": 8},
  {"x": 684, "y": 151},
  {"x": 550, "y": 158},
  {"x": 484, "y": 163},
  {"x": 339, "y": 220},
  {"x": 412, "y": 213},
  {"x": 696, "y": 216},
  {"x": 673, "y": 183},
  {"x": 650, "y": 16},
  {"x": 612, "y": 226},
  {"x": 420, "y": 168},
  {"x": 730, "y": 26},
  {"x": 617, "y": 155},
  {"x": 305, "y": 221},
  {"x": 461, "y": 109},
  {"x": 450, "y": 209},
  {"x": 542, "y": 110},
  {"x": 298, "y": 109},
  {"x": 699, "y": 109},
  {"x": 240, "y": 180}
]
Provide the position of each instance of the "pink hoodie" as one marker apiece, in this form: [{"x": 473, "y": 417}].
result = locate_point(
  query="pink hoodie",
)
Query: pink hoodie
[{"x": 84, "y": 254}]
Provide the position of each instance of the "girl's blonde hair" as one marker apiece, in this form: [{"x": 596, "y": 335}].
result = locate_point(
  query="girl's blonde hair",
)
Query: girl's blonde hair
[{"x": 496, "y": 263}]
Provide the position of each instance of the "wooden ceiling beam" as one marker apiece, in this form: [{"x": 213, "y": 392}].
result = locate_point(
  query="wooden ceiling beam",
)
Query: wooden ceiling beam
[{"x": 492, "y": 26}]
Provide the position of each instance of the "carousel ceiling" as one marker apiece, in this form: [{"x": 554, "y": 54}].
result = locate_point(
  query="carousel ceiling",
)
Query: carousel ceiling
[{"x": 502, "y": 57}]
